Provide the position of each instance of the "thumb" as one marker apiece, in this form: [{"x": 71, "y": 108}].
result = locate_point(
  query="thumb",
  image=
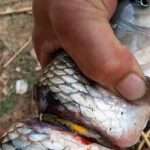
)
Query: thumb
[{"x": 90, "y": 41}]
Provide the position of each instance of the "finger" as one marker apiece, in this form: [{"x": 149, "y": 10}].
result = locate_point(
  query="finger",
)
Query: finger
[
  {"x": 44, "y": 40},
  {"x": 44, "y": 47},
  {"x": 89, "y": 39}
]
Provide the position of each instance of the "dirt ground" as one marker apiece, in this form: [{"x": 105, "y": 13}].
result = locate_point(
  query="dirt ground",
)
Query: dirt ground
[{"x": 15, "y": 39}]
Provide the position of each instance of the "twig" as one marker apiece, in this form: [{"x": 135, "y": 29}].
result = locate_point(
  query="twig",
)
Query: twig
[
  {"x": 16, "y": 11},
  {"x": 145, "y": 137},
  {"x": 145, "y": 140},
  {"x": 17, "y": 53},
  {"x": 29, "y": 12}
]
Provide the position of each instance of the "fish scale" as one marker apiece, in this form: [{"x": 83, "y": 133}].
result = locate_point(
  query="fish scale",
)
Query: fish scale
[
  {"x": 64, "y": 91},
  {"x": 93, "y": 106},
  {"x": 34, "y": 135}
]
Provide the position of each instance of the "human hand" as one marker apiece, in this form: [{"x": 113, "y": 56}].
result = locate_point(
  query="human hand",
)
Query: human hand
[{"x": 82, "y": 28}]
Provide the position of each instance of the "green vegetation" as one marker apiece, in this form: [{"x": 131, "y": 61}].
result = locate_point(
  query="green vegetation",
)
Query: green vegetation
[{"x": 8, "y": 104}]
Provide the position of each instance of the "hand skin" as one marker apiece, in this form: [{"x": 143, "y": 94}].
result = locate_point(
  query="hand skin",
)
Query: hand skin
[
  {"x": 82, "y": 28},
  {"x": 2, "y": 131}
]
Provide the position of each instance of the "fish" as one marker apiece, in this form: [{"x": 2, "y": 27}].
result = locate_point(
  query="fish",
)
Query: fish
[
  {"x": 66, "y": 98},
  {"x": 36, "y": 135},
  {"x": 132, "y": 25},
  {"x": 64, "y": 91}
]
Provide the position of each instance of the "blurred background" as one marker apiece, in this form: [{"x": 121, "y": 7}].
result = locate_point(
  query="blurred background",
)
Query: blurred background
[{"x": 18, "y": 64}]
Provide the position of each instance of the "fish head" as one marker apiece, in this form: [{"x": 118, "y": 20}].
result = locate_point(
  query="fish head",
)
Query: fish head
[
  {"x": 133, "y": 14},
  {"x": 132, "y": 25}
]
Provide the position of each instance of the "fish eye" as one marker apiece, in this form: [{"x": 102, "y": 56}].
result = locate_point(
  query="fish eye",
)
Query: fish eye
[{"x": 143, "y": 3}]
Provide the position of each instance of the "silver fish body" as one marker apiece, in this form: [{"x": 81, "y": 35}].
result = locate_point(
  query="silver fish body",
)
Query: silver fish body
[
  {"x": 71, "y": 96},
  {"x": 64, "y": 91},
  {"x": 34, "y": 135}
]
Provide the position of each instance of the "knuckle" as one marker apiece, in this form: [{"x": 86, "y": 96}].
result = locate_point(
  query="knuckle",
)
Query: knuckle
[
  {"x": 106, "y": 73},
  {"x": 111, "y": 66}
]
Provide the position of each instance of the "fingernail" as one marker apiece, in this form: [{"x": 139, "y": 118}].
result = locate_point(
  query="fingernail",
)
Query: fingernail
[{"x": 132, "y": 87}]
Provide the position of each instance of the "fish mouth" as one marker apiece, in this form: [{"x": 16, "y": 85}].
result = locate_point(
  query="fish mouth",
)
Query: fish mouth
[{"x": 89, "y": 106}]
